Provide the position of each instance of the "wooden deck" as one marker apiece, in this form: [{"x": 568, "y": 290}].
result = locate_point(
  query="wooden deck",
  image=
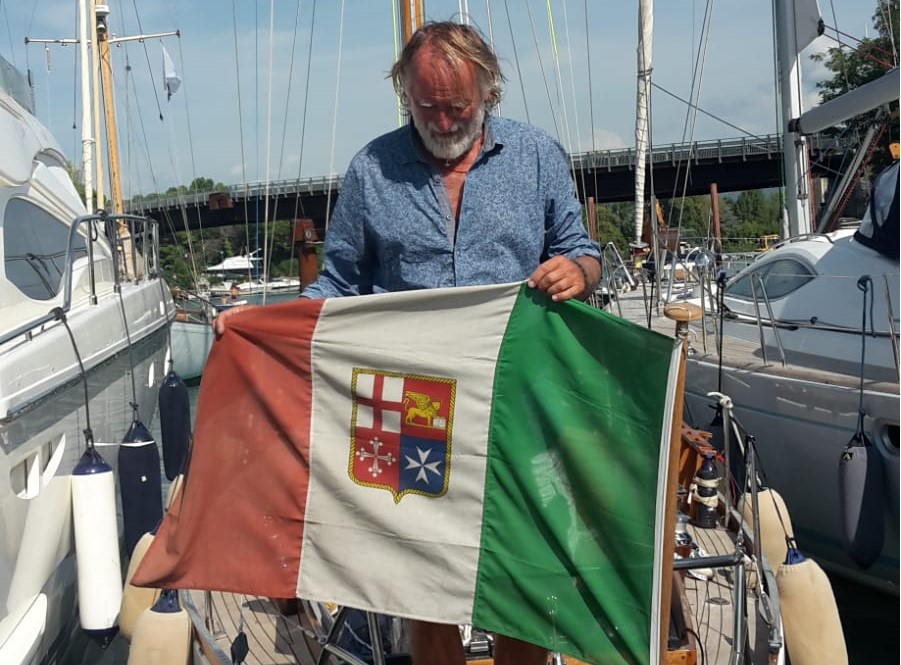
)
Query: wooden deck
[{"x": 704, "y": 603}]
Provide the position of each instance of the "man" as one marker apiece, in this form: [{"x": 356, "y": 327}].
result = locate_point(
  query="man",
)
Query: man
[{"x": 456, "y": 198}]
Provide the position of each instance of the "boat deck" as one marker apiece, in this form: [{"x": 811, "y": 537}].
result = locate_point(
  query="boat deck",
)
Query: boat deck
[
  {"x": 741, "y": 354},
  {"x": 279, "y": 637}
]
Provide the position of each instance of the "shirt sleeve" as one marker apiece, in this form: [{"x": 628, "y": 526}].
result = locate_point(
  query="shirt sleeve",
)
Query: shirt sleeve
[
  {"x": 565, "y": 233},
  {"x": 347, "y": 266}
]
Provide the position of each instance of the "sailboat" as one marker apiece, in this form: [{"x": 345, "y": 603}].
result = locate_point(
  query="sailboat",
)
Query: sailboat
[
  {"x": 83, "y": 344},
  {"x": 805, "y": 341}
]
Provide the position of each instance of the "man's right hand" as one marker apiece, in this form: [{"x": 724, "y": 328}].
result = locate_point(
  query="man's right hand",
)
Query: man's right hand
[{"x": 220, "y": 323}]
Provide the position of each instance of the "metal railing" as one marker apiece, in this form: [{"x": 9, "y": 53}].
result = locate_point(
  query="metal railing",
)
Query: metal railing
[{"x": 131, "y": 264}]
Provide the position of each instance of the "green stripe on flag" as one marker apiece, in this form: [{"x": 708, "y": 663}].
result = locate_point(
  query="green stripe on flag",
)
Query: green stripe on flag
[{"x": 567, "y": 556}]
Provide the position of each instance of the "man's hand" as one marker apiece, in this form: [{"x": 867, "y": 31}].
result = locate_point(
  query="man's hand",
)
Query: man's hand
[
  {"x": 220, "y": 323},
  {"x": 562, "y": 278}
]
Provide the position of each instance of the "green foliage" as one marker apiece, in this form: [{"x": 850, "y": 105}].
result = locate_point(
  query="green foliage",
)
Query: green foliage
[
  {"x": 853, "y": 67},
  {"x": 692, "y": 215},
  {"x": 747, "y": 218},
  {"x": 610, "y": 223}
]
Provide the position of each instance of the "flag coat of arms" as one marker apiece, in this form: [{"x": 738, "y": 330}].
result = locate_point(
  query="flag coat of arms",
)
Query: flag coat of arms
[{"x": 476, "y": 455}]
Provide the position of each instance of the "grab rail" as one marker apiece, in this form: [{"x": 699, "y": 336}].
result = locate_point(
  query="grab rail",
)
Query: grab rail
[
  {"x": 756, "y": 277},
  {"x": 130, "y": 223}
]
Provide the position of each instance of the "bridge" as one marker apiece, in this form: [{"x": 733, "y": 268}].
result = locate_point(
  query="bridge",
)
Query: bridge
[{"x": 608, "y": 176}]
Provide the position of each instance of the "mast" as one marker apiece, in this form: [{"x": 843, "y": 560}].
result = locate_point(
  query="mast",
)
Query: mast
[
  {"x": 87, "y": 140},
  {"x": 410, "y": 18},
  {"x": 645, "y": 33},
  {"x": 101, "y": 11},
  {"x": 95, "y": 115},
  {"x": 797, "y": 23}
]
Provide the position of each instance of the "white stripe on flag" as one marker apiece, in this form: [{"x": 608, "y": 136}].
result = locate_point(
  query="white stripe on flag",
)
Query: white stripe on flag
[{"x": 426, "y": 548}]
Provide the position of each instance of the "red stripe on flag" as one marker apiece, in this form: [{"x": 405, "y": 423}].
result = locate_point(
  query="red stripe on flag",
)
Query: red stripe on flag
[{"x": 238, "y": 523}]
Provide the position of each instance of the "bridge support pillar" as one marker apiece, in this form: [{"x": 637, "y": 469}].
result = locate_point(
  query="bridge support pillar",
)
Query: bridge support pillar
[{"x": 306, "y": 246}]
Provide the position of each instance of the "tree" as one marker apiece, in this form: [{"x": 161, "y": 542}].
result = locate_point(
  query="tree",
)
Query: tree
[
  {"x": 853, "y": 67},
  {"x": 202, "y": 185},
  {"x": 747, "y": 218}
]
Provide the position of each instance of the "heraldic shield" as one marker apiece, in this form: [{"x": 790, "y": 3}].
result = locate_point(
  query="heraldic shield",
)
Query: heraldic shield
[{"x": 401, "y": 432}]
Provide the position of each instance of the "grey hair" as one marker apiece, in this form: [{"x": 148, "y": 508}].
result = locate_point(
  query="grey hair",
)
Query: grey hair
[{"x": 457, "y": 44}]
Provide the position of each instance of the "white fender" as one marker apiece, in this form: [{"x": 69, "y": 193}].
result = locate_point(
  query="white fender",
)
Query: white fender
[{"x": 96, "y": 546}]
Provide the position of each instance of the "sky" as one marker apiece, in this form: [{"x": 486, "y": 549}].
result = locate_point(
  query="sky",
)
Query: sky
[{"x": 293, "y": 88}]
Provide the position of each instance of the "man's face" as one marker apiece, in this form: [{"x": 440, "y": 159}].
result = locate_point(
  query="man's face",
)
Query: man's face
[{"x": 447, "y": 105}]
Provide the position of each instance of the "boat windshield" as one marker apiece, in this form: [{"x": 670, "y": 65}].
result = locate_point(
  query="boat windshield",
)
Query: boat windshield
[
  {"x": 34, "y": 249},
  {"x": 779, "y": 278}
]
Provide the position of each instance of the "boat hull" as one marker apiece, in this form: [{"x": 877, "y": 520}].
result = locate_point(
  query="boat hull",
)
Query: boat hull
[
  {"x": 801, "y": 420},
  {"x": 41, "y": 444},
  {"x": 191, "y": 342}
]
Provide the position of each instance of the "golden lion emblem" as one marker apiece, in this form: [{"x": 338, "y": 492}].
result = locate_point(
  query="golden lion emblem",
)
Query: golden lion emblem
[{"x": 420, "y": 406}]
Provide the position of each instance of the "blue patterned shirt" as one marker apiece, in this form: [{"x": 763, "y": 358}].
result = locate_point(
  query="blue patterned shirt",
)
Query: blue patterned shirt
[{"x": 393, "y": 230}]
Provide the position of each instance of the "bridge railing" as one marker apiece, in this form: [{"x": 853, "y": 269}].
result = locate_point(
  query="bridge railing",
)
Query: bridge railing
[
  {"x": 239, "y": 193},
  {"x": 675, "y": 153},
  {"x": 747, "y": 147}
]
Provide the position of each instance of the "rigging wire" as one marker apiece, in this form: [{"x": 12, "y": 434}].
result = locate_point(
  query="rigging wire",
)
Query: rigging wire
[
  {"x": 865, "y": 53},
  {"x": 192, "y": 153},
  {"x": 9, "y": 35},
  {"x": 558, "y": 79},
  {"x": 156, "y": 95},
  {"x": 541, "y": 68},
  {"x": 575, "y": 104},
  {"x": 883, "y": 8},
  {"x": 240, "y": 121},
  {"x": 842, "y": 63},
  {"x": 522, "y": 86},
  {"x": 331, "y": 164},
  {"x": 298, "y": 201},
  {"x": 173, "y": 161},
  {"x": 268, "y": 155},
  {"x": 256, "y": 136},
  {"x": 395, "y": 40},
  {"x": 699, "y": 109},
  {"x": 691, "y": 116},
  {"x": 281, "y": 157},
  {"x": 590, "y": 97}
]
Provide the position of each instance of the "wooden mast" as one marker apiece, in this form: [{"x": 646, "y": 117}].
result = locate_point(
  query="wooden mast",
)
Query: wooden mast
[
  {"x": 410, "y": 18},
  {"x": 109, "y": 111},
  {"x": 100, "y": 34}
]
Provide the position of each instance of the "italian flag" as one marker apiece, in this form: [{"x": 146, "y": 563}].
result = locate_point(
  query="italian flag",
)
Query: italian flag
[{"x": 479, "y": 455}]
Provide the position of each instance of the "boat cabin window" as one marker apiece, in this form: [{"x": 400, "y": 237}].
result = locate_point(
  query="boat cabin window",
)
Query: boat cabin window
[
  {"x": 779, "y": 279},
  {"x": 34, "y": 247}
]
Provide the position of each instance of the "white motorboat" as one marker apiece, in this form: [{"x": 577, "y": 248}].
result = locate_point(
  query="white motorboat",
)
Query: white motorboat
[
  {"x": 192, "y": 335},
  {"x": 83, "y": 342}
]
